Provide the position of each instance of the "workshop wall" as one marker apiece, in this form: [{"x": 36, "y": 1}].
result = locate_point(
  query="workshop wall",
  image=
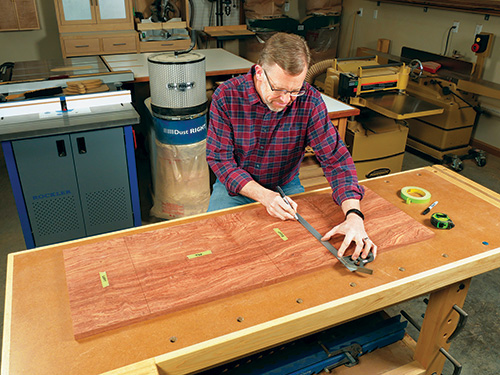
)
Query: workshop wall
[
  {"x": 36, "y": 44},
  {"x": 412, "y": 27}
]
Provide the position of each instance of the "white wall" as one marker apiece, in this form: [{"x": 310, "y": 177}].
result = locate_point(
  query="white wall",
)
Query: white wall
[{"x": 412, "y": 27}]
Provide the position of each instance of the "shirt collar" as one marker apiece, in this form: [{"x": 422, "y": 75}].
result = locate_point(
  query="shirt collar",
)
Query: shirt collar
[{"x": 253, "y": 95}]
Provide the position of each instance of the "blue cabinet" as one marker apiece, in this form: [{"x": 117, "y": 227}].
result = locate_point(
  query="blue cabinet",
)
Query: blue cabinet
[{"x": 73, "y": 185}]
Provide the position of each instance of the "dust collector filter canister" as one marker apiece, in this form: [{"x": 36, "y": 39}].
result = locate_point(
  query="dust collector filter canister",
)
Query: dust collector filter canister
[{"x": 177, "y": 84}]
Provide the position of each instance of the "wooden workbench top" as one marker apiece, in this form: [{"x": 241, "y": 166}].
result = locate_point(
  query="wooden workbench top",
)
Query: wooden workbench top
[{"x": 38, "y": 335}]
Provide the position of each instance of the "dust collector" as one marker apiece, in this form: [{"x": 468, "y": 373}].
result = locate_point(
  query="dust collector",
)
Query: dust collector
[{"x": 178, "y": 104}]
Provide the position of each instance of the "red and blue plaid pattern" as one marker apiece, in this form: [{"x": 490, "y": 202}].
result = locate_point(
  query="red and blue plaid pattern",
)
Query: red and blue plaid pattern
[{"x": 246, "y": 141}]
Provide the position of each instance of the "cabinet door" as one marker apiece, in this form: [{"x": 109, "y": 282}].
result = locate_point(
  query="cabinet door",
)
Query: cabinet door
[
  {"x": 76, "y": 12},
  {"x": 18, "y": 15},
  {"x": 102, "y": 173},
  {"x": 8, "y": 16},
  {"x": 113, "y": 11},
  {"x": 50, "y": 190}
]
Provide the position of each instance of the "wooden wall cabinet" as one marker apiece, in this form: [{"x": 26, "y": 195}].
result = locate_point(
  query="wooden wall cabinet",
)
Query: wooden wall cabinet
[
  {"x": 96, "y": 27},
  {"x": 16, "y": 15},
  {"x": 94, "y": 15},
  {"x": 100, "y": 27}
]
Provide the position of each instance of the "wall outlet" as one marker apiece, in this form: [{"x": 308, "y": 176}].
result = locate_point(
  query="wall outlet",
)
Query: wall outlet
[
  {"x": 360, "y": 12},
  {"x": 456, "y": 24},
  {"x": 479, "y": 28},
  {"x": 375, "y": 14},
  {"x": 287, "y": 6}
]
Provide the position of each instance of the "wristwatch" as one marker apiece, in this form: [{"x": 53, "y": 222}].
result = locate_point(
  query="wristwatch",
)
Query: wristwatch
[{"x": 355, "y": 211}]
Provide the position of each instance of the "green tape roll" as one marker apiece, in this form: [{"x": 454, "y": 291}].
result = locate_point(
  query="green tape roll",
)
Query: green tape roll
[{"x": 415, "y": 194}]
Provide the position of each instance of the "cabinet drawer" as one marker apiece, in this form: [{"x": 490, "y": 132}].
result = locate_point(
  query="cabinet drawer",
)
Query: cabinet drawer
[
  {"x": 119, "y": 44},
  {"x": 83, "y": 46},
  {"x": 164, "y": 45}
]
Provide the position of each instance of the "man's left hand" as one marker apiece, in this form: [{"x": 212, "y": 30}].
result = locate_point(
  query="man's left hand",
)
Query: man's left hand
[{"x": 353, "y": 229}]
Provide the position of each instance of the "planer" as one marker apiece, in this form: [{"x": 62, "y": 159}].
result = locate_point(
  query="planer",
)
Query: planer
[{"x": 365, "y": 82}]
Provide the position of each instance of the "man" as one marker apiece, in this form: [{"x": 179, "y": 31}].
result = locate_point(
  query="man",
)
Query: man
[{"x": 260, "y": 124}]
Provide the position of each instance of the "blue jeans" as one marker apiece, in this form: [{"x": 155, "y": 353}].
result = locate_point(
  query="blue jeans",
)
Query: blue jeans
[{"x": 221, "y": 199}]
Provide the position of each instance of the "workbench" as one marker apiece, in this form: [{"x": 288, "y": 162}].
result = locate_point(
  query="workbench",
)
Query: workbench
[{"x": 38, "y": 335}]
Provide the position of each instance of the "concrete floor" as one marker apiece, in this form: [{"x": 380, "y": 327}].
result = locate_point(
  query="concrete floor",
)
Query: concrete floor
[{"x": 477, "y": 347}]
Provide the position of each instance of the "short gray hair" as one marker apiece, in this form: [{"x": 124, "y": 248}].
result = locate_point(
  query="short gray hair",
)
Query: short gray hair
[{"x": 289, "y": 51}]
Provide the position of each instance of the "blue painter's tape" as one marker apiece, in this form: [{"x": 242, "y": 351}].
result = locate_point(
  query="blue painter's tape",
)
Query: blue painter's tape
[{"x": 181, "y": 132}]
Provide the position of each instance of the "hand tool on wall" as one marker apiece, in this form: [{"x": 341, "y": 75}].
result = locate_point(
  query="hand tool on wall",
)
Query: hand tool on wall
[{"x": 351, "y": 264}]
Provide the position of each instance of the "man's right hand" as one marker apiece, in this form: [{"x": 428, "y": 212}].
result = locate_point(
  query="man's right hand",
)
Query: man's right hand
[{"x": 275, "y": 205}]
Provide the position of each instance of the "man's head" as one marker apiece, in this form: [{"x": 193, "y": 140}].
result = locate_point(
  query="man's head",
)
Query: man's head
[
  {"x": 288, "y": 51},
  {"x": 281, "y": 70}
]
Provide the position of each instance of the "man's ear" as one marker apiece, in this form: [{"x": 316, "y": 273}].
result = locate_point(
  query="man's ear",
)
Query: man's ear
[{"x": 259, "y": 71}]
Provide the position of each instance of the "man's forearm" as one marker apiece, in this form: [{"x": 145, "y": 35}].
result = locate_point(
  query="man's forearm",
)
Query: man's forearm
[{"x": 255, "y": 191}]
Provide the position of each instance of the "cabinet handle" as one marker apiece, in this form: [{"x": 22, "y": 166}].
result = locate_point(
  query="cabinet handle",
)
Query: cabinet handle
[
  {"x": 61, "y": 148},
  {"x": 80, "y": 143},
  {"x": 167, "y": 44},
  {"x": 119, "y": 44},
  {"x": 82, "y": 46}
]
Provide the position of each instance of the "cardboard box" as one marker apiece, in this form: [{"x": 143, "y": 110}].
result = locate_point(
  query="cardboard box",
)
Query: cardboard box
[
  {"x": 379, "y": 167},
  {"x": 375, "y": 137},
  {"x": 377, "y": 144},
  {"x": 257, "y": 9}
]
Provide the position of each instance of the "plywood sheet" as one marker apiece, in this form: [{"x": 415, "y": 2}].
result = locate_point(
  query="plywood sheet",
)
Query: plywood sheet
[{"x": 169, "y": 269}]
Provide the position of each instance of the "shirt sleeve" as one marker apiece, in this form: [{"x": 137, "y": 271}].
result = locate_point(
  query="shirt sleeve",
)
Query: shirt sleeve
[
  {"x": 220, "y": 147},
  {"x": 333, "y": 156}
]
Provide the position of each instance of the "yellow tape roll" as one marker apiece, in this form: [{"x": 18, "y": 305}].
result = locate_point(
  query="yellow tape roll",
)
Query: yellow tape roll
[{"x": 414, "y": 194}]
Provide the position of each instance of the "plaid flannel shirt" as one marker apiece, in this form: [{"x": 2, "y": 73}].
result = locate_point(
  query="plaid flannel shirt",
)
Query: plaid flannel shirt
[{"x": 246, "y": 141}]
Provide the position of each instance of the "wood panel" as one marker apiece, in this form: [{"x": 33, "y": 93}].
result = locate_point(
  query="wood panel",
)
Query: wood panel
[
  {"x": 18, "y": 15},
  {"x": 165, "y": 270},
  {"x": 120, "y": 303}
]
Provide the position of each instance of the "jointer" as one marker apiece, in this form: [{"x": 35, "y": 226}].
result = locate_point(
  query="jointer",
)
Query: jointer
[{"x": 38, "y": 334}]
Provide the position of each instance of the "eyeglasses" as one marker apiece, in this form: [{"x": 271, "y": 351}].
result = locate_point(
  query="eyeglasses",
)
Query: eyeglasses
[{"x": 293, "y": 93}]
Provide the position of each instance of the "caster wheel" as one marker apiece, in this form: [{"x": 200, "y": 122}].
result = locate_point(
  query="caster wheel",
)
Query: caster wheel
[
  {"x": 457, "y": 164},
  {"x": 480, "y": 161}
]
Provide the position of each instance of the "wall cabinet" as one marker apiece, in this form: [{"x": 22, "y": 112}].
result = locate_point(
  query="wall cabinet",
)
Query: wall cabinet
[
  {"x": 94, "y": 15},
  {"x": 96, "y": 27},
  {"x": 100, "y": 27},
  {"x": 18, "y": 15}
]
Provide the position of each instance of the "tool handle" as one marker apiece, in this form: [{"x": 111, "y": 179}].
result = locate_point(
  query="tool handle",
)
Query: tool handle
[{"x": 283, "y": 195}]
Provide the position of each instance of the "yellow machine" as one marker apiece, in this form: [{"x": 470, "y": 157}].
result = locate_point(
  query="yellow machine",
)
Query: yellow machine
[
  {"x": 377, "y": 137},
  {"x": 440, "y": 106},
  {"x": 364, "y": 82}
]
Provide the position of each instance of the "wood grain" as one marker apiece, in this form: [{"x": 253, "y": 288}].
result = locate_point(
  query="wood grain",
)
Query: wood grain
[
  {"x": 151, "y": 274},
  {"x": 94, "y": 308}
]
